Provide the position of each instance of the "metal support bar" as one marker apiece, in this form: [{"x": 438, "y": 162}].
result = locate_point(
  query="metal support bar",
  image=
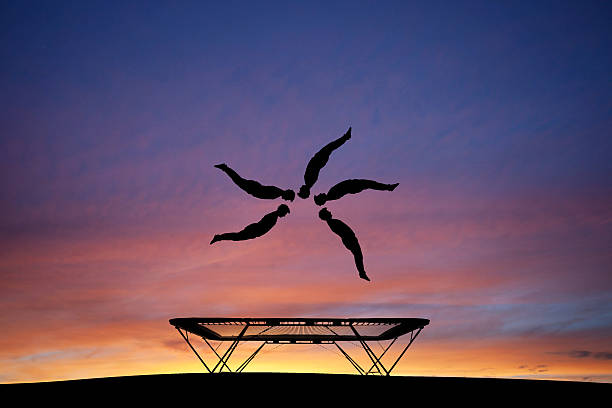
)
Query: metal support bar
[
  {"x": 369, "y": 352},
  {"x": 382, "y": 355},
  {"x": 227, "y": 354},
  {"x": 353, "y": 362},
  {"x": 216, "y": 354},
  {"x": 400, "y": 356},
  {"x": 248, "y": 360},
  {"x": 374, "y": 359},
  {"x": 194, "y": 350},
  {"x": 230, "y": 350}
]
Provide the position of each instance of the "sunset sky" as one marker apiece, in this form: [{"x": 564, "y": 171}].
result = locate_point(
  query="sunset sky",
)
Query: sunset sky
[{"x": 496, "y": 120}]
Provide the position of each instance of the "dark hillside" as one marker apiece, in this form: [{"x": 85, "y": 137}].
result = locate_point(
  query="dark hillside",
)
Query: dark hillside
[{"x": 303, "y": 389}]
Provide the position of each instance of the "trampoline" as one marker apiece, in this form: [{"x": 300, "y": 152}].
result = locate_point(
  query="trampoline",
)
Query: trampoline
[{"x": 300, "y": 331}]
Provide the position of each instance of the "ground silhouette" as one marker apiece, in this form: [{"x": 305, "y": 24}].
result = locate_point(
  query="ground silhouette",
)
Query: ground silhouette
[{"x": 276, "y": 389}]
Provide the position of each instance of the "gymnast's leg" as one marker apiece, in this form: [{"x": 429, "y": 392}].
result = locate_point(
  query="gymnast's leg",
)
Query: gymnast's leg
[
  {"x": 227, "y": 236},
  {"x": 331, "y": 146},
  {"x": 359, "y": 263},
  {"x": 231, "y": 173},
  {"x": 249, "y": 232},
  {"x": 375, "y": 185}
]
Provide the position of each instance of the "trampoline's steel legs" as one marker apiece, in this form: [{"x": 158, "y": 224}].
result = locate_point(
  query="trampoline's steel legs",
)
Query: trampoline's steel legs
[
  {"x": 226, "y": 356},
  {"x": 376, "y": 360},
  {"x": 376, "y": 363},
  {"x": 383, "y": 354},
  {"x": 218, "y": 356},
  {"x": 194, "y": 350},
  {"x": 350, "y": 359},
  {"x": 230, "y": 350},
  {"x": 248, "y": 360},
  {"x": 412, "y": 338},
  {"x": 222, "y": 359}
]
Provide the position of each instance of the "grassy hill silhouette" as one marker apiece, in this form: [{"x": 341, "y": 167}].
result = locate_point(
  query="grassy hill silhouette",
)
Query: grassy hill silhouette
[{"x": 278, "y": 389}]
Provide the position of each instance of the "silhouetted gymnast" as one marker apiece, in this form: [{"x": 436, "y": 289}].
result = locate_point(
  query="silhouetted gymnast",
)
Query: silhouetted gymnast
[
  {"x": 257, "y": 229},
  {"x": 348, "y": 239},
  {"x": 255, "y": 188},
  {"x": 351, "y": 186},
  {"x": 318, "y": 161}
]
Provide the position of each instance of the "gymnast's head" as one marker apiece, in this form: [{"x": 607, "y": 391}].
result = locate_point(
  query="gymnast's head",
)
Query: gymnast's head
[
  {"x": 288, "y": 195},
  {"x": 282, "y": 210},
  {"x": 320, "y": 199},
  {"x": 304, "y": 192},
  {"x": 325, "y": 215}
]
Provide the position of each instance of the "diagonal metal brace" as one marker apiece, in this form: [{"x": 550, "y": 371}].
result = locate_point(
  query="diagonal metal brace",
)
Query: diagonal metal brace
[
  {"x": 216, "y": 354},
  {"x": 350, "y": 359},
  {"x": 230, "y": 350},
  {"x": 375, "y": 360},
  {"x": 382, "y": 355},
  {"x": 412, "y": 338},
  {"x": 248, "y": 360},
  {"x": 193, "y": 349}
]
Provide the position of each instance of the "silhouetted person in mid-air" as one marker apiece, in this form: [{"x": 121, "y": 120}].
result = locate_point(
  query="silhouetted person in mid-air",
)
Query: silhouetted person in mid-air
[
  {"x": 348, "y": 239},
  {"x": 255, "y": 188},
  {"x": 317, "y": 162},
  {"x": 351, "y": 186},
  {"x": 256, "y": 229}
]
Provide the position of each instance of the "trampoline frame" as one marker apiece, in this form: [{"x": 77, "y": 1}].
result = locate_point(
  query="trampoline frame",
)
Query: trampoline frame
[{"x": 400, "y": 327}]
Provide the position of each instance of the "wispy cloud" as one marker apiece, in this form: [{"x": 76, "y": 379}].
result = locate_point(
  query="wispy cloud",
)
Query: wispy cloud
[{"x": 599, "y": 355}]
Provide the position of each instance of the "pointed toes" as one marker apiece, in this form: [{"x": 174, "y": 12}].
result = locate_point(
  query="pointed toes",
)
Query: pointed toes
[{"x": 364, "y": 276}]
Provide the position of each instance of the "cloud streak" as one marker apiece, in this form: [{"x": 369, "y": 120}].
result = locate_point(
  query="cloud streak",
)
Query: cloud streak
[{"x": 599, "y": 355}]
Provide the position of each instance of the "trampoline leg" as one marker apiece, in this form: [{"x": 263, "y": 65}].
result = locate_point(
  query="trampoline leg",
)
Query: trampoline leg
[
  {"x": 353, "y": 362},
  {"x": 230, "y": 350},
  {"x": 226, "y": 356},
  {"x": 194, "y": 350},
  {"x": 248, "y": 360},
  {"x": 217, "y": 354},
  {"x": 382, "y": 355},
  {"x": 375, "y": 360},
  {"x": 369, "y": 352},
  {"x": 412, "y": 338}
]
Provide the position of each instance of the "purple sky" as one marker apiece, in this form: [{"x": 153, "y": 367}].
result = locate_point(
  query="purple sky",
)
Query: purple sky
[{"x": 494, "y": 118}]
